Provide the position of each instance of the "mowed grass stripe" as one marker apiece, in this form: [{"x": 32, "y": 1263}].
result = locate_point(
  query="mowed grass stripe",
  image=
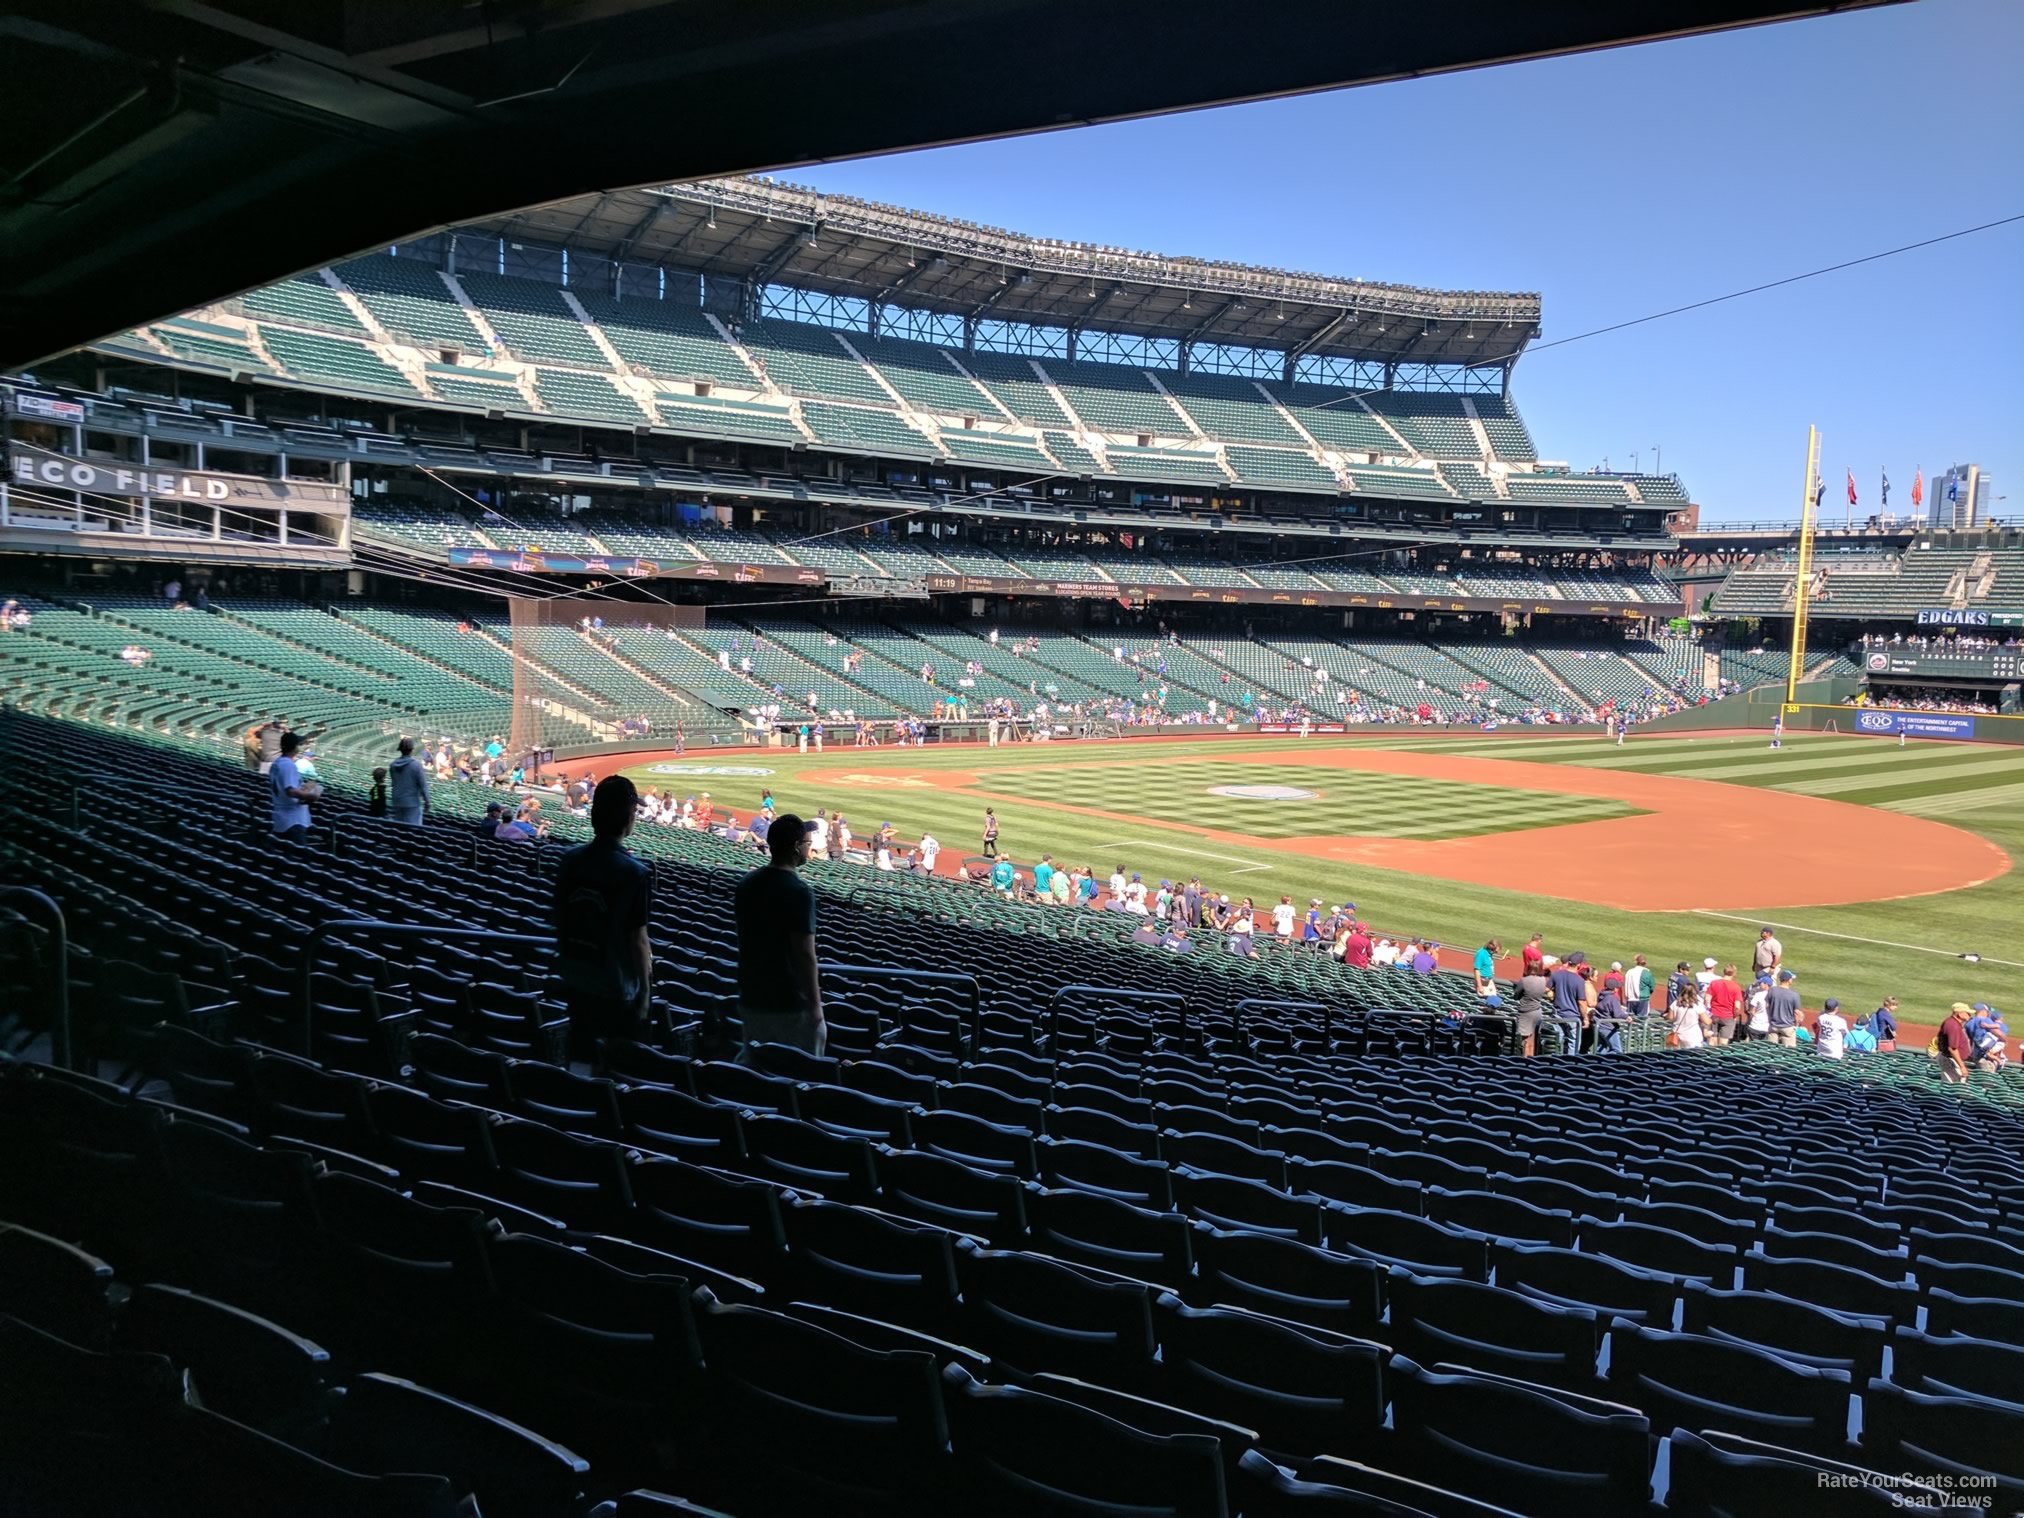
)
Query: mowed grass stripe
[
  {"x": 1862, "y": 759},
  {"x": 1950, "y": 802},
  {"x": 1908, "y": 779}
]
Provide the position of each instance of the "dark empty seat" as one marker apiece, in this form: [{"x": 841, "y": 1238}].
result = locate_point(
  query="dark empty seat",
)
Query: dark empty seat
[
  {"x": 1357, "y": 1186},
  {"x": 1528, "y": 1447},
  {"x": 1491, "y": 1328},
  {"x": 1038, "y": 1314},
  {"x": 1585, "y": 1280},
  {"x": 55, "y": 1286},
  {"x": 1717, "y": 1475},
  {"x": 1958, "y": 1366},
  {"x": 1662, "y": 1250},
  {"x": 790, "y": 1152},
  {"x": 931, "y": 1189},
  {"x": 801, "y": 1418},
  {"x": 1502, "y": 1217},
  {"x": 1327, "y": 1486},
  {"x": 1217, "y": 1154},
  {"x": 1694, "y": 1379},
  {"x": 1404, "y": 1242},
  {"x": 1301, "y": 1387},
  {"x": 668, "y": 1121},
  {"x": 1947, "y": 1437},
  {"x": 723, "y": 1220},
  {"x": 1224, "y": 1201},
  {"x": 872, "y": 1263},
  {"x": 1793, "y": 1330},
  {"x": 244, "y": 1366},
  {"x": 1972, "y": 1279},
  {"x": 384, "y": 1424},
  {"x": 1977, "y": 1317},
  {"x": 977, "y": 1143},
  {"x": 1021, "y": 1453},
  {"x": 1836, "y": 1287},
  {"x": 1082, "y": 1227},
  {"x": 1079, "y": 1165},
  {"x": 1283, "y": 1278}
]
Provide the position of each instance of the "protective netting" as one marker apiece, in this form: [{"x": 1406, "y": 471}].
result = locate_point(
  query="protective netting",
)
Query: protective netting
[{"x": 584, "y": 671}]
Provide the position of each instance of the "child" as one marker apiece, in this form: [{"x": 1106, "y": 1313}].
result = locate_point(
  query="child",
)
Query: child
[
  {"x": 1862, "y": 1037},
  {"x": 1988, "y": 1035},
  {"x": 376, "y": 801}
]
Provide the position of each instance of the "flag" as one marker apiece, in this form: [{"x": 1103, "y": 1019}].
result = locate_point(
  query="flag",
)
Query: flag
[
  {"x": 1953, "y": 487},
  {"x": 1919, "y": 488},
  {"x": 1886, "y": 487},
  {"x": 1819, "y": 493},
  {"x": 1851, "y": 487}
]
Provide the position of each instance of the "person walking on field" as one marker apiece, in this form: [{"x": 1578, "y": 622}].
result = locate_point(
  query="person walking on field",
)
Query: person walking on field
[
  {"x": 990, "y": 834},
  {"x": 779, "y": 985}
]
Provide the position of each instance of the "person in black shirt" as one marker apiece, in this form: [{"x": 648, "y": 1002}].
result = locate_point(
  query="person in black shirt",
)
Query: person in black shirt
[
  {"x": 779, "y": 991},
  {"x": 602, "y": 900}
]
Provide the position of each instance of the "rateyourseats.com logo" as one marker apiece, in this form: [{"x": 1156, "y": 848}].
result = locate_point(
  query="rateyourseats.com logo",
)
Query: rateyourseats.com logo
[{"x": 706, "y": 769}]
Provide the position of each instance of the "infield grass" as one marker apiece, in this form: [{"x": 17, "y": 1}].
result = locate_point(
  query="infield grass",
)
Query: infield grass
[{"x": 1137, "y": 804}]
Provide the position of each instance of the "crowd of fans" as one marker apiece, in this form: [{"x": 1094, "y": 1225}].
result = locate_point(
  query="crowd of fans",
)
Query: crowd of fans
[{"x": 1923, "y": 698}]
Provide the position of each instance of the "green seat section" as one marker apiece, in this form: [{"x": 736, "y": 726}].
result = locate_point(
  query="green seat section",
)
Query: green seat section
[{"x": 410, "y": 300}]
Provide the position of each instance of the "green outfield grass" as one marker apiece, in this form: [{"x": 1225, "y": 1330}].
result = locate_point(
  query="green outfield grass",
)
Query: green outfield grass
[{"x": 1909, "y": 948}]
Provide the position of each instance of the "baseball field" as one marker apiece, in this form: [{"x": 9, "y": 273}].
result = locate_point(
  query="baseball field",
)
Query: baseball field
[{"x": 1880, "y": 867}]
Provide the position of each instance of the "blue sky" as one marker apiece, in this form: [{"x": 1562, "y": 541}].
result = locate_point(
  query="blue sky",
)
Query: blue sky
[{"x": 1617, "y": 184}]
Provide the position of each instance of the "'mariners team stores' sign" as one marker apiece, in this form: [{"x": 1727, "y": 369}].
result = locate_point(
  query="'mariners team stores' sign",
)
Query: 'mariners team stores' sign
[{"x": 37, "y": 468}]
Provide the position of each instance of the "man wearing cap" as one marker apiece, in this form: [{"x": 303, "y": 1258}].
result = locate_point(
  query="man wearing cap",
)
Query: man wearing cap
[
  {"x": 1569, "y": 993},
  {"x": 1781, "y": 1008},
  {"x": 1830, "y": 1030},
  {"x": 1706, "y": 976},
  {"x": 1768, "y": 954},
  {"x": 1952, "y": 1046}
]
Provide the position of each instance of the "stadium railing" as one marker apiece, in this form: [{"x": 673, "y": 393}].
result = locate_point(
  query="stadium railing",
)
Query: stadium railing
[{"x": 59, "y": 1024}]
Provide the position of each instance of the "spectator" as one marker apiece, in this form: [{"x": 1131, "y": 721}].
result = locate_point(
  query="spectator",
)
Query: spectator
[
  {"x": 1569, "y": 1001},
  {"x": 1830, "y": 1029},
  {"x": 288, "y": 793},
  {"x": 1608, "y": 1012},
  {"x": 1004, "y": 877},
  {"x": 1768, "y": 954},
  {"x": 1706, "y": 976},
  {"x": 1424, "y": 962},
  {"x": 489, "y": 828},
  {"x": 1486, "y": 973},
  {"x": 929, "y": 849},
  {"x": 1724, "y": 1005},
  {"x": 1883, "y": 1023},
  {"x": 1690, "y": 1022},
  {"x": 1678, "y": 981},
  {"x": 1357, "y": 948},
  {"x": 779, "y": 985},
  {"x": 1987, "y": 1033},
  {"x": 1043, "y": 876},
  {"x": 603, "y": 899},
  {"x": 1862, "y": 1037},
  {"x": 1534, "y": 992},
  {"x": 1534, "y": 955},
  {"x": 1781, "y": 1010},
  {"x": 270, "y": 743},
  {"x": 1757, "y": 1007},
  {"x": 1952, "y": 1046},
  {"x": 408, "y": 786},
  {"x": 376, "y": 798}
]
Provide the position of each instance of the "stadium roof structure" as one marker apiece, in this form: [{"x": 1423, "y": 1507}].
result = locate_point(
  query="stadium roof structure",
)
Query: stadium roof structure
[
  {"x": 155, "y": 158},
  {"x": 771, "y": 231}
]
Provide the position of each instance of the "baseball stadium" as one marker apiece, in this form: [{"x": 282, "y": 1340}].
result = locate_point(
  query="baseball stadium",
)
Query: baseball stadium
[{"x": 1237, "y": 773}]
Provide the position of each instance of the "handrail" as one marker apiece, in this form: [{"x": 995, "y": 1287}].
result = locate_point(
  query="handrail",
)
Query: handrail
[
  {"x": 60, "y": 1047},
  {"x": 324, "y": 930}
]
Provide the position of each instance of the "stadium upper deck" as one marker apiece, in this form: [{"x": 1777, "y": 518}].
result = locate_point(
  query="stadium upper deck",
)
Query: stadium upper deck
[{"x": 751, "y": 313}]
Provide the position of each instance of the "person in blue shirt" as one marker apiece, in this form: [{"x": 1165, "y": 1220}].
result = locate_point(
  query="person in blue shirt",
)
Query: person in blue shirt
[
  {"x": 1003, "y": 876},
  {"x": 1569, "y": 994},
  {"x": 1883, "y": 1022},
  {"x": 1486, "y": 973},
  {"x": 1988, "y": 1035},
  {"x": 1043, "y": 875}
]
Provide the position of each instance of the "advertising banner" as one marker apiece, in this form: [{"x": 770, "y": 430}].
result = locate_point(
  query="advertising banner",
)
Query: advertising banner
[
  {"x": 1250, "y": 595},
  {"x": 1915, "y": 724},
  {"x": 37, "y": 468}
]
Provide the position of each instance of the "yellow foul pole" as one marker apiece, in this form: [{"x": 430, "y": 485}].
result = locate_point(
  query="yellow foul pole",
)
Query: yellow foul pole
[{"x": 1802, "y": 583}]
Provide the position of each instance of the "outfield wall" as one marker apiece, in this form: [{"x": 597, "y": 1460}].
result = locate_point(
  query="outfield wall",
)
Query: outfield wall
[{"x": 1822, "y": 709}]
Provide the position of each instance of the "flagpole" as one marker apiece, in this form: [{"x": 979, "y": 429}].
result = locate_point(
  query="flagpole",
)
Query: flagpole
[
  {"x": 1803, "y": 580},
  {"x": 1848, "y": 519}
]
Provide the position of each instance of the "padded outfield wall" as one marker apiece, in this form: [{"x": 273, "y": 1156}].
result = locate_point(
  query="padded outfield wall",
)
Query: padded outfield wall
[{"x": 1821, "y": 709}]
